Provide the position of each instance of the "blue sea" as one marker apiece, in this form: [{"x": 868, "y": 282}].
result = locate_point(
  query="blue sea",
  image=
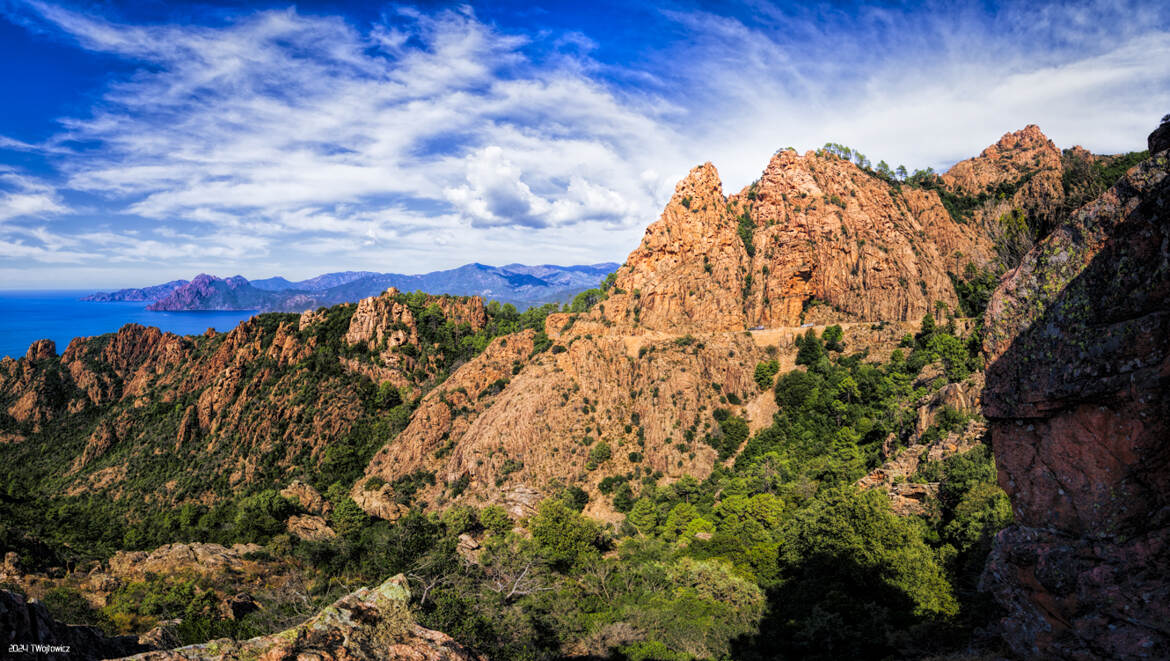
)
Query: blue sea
[{"x": 27, "y": 316}]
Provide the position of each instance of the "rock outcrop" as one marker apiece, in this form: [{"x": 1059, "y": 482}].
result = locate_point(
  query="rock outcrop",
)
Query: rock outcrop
[
  {"x": 812, "y": 228},
  {"x": 199, "y": 558},
  {"x": 371, "y": 624},
  {"x": 1078, "y": 402},
  {"x": 307, "y": 497},
  {"x": 1024, "y": 157}
]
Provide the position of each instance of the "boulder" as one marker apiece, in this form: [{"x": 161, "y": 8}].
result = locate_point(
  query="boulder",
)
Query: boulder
[
  {"x": 308, "y": 497},
  {"x": 310, "y": 528},
  {"x": 367, "y": 625}
]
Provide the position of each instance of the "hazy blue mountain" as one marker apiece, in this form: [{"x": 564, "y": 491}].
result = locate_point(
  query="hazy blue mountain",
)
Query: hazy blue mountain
[
  {"x": 153, "y": 293},
  {"x": 330, "y": 280},
  {"x": 519, "y": 284},
  {"x": 273, "y": 284}
]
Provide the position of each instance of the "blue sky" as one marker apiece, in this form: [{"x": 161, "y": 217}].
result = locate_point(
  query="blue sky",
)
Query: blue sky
[{"x": 145, "y": 141}]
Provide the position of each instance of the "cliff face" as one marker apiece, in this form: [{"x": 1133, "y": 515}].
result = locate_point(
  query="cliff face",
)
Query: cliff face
[
  {"x": 812, "y": 227},
  {"x": 1078, "y": 339}
]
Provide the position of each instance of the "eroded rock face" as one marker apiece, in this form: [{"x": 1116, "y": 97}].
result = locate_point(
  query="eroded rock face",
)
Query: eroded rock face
[
  {"x": 813, "y": 227},
  {"x": 508, "y": 418},
  {"x": 1078, "y": 340},
  {"x": 371, "y": 624}
]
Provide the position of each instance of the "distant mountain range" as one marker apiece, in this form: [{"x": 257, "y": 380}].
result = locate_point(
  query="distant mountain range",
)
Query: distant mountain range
[
  {"x": 518, "y": 284},
  {"x": 144, "y": 294}
]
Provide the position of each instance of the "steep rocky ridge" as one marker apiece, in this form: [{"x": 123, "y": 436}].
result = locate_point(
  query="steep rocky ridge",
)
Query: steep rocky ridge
[
  {"x": 1077, "y": 404},
  {"x": 246, "y": 406},
  {"x": 814, "y": 227},
  {"x": 1023, "y": 161},
  {"x": 644, "y": 370}
]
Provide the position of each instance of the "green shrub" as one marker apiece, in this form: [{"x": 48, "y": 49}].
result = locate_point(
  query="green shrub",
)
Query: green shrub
[{"x": 598, "y": 455}]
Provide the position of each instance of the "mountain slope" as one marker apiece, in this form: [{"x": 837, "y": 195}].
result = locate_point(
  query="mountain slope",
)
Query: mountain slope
[
  {"x": 644, "y": 371},
  {"x": 149, "y": 419}
]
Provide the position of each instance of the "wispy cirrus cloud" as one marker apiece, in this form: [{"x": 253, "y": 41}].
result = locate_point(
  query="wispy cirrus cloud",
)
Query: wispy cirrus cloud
[
  {"x": 25, "y": 196},
  {"x": 280, "y": 115},
  {"x": 295, "y": 143}
]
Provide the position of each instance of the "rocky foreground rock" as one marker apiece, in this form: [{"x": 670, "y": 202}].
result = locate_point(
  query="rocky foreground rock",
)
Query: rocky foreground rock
[
  {"x": 371, "y": 624},
  {"x": 1078, "y": 401}
]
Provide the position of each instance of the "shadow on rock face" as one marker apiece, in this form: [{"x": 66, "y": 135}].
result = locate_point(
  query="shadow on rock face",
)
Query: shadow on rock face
[{"x": 1077, "y": 398}]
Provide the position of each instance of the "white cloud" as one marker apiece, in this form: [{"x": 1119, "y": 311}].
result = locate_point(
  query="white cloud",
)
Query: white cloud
[
  {"x": 24, "y": 196},
  {"x": 926, "y": 87},
  {"x": 278, "y": 117},
  {"x": 299, "y": 143}
]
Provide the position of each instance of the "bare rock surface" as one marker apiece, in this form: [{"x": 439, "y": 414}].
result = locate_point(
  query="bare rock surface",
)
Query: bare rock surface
[{"x": 1077, "y": 397}]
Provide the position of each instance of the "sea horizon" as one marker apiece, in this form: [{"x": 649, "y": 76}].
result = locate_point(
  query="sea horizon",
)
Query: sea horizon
[{"x": 59, "y": 315}]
